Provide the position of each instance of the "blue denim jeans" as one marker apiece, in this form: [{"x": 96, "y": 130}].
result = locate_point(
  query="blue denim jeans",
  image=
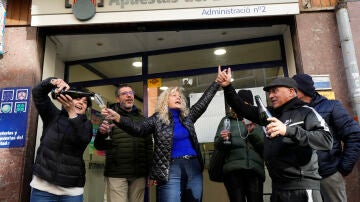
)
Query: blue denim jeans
[
  {"x": 42, "y": 196},
  {"x": 185, "y": 182}
]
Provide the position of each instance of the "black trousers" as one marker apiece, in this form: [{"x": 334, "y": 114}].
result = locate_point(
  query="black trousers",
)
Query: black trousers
[
  {"x": 295, "y": 195},
  {"x": 244, "y": 186}
]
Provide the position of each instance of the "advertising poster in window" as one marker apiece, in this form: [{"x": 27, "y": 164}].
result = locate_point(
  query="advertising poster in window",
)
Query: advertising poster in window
[{"x": 14, "y": 107}]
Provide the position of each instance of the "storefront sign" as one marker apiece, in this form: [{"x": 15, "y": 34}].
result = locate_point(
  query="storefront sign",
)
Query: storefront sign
[
  {"x": 154, "y": 83},
  {"x": 14, "y": 107},
  {"x": 328, "y": 94},
  {"x": 2, "y": 24},
  {"x": 321, "y": 82},
  {"x": 60, "y": 12}
]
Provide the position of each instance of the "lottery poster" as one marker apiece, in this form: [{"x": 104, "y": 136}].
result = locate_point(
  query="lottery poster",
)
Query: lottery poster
[{"x": 14, "y": 107}]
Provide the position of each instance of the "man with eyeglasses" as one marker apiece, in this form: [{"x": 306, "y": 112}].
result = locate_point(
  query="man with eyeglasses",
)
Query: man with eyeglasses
[{"x": 128, "y": 158}]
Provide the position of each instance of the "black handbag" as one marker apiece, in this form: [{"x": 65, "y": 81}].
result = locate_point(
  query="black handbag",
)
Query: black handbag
[{"x": 216, "y": 164}]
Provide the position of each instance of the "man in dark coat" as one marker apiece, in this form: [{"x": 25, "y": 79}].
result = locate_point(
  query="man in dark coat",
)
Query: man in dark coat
[
  {"x": 128, "y": 158},
  {"x": 339, "y": 161}
]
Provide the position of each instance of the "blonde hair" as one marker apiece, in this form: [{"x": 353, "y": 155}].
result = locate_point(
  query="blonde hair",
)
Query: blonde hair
[{"x": 162, "y": 105}]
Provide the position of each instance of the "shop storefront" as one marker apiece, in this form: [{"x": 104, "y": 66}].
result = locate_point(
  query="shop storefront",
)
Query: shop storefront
[
  {"x": 160, "y": 43},
  {"x": 181, "y": 56}
]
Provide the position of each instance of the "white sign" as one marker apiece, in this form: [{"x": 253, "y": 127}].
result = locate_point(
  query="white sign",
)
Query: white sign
[
  {"x": 47, "y": 13},
  {"x": 207, "y": 124},
  {"x": 321, "y": 82}
]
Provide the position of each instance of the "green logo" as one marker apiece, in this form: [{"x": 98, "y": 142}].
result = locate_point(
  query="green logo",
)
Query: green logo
[
  {"x": 6, "y": 108},
  {"x": 20, "y": 107}
]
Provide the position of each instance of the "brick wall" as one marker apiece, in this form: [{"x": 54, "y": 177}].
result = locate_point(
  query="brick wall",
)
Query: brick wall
[
  {"x": 318, "y": 51},
  {"x": 20, "y": 66}
]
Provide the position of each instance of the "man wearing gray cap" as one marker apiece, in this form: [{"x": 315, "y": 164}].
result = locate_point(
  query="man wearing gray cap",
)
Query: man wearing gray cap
[{"x": 295, "y": 132}]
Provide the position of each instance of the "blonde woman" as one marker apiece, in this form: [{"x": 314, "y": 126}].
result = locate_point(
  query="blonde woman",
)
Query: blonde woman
[{"x": 177, "y": 162}]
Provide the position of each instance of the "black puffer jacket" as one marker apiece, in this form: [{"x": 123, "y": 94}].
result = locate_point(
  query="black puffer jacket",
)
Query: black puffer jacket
[
  {"x": 291, "y": 159},
  {"x": 126, "y": 156},
  {"x": 163, "y": 134},
  {"x": 59, "y": 158},
  {"x": 345, "y": 129}
]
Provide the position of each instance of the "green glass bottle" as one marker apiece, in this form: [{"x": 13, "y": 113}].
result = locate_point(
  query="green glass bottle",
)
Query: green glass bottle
[
  {"x": 263, "y": 111},
  {"x": 72, "y": 93}
]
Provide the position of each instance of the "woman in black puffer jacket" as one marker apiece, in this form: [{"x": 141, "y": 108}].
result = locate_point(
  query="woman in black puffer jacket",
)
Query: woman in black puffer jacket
[{"x": 59, "y": 168}]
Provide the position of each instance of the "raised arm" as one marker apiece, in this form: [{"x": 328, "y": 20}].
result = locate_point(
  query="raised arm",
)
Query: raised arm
[
  {"x": 141, "y": 128},
  {"x": 43, "y": 103}
]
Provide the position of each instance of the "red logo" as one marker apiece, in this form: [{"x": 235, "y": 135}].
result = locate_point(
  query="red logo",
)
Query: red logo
[{"x": 84, "y": 9}]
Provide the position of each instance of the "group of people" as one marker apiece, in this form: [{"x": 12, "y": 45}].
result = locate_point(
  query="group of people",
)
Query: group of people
[{"x": 302, "y": 145}]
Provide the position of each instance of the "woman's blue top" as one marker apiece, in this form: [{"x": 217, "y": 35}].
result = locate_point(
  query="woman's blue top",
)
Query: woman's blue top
[{"x": 181, "y": 141}]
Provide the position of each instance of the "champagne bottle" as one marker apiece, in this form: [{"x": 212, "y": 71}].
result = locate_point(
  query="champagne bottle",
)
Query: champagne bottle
[
  {"x": 263, "y": 111},
  {"x": 72, "y": 93}
]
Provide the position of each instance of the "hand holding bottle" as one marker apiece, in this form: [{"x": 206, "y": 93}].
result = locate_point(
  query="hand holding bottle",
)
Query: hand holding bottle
[
  {"x": 264, "y": 114},
  {"x": 59, "y": 85},
  {"x": 275, "y": 127},
  {"x": 263, "y": 111},
  {"x": 67, "y": 102}
]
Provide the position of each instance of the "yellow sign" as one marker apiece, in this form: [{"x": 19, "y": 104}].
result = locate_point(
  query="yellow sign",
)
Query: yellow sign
[
  {"x": 328, "y": 94},
  {"x": 154, "y": 83}
]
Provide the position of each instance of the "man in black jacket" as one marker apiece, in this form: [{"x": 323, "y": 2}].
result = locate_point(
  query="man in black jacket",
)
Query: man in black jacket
[
  {"x": 295, "y": 132},
  {"x": 339, "y": 161},
  {"x": 128, "y": 158}
]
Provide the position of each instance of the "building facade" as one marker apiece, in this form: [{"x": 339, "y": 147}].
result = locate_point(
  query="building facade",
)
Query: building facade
[{"x": 290, "y": 40}]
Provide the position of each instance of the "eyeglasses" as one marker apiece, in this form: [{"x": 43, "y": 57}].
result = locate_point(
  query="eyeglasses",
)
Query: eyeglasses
[{"x": 132, "y": 93}]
